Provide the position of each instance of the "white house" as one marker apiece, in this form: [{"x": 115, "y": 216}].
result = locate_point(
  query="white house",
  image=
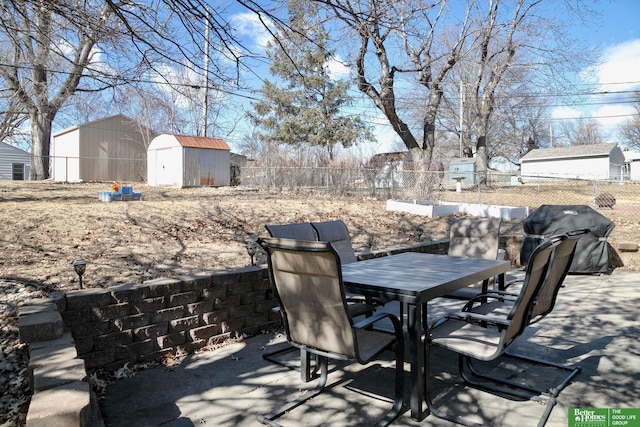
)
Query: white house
[
  {"x": 110, "y": 149},
  {"x": 595, "y": 161},
  {"x": 15, "y": 163},
  {"x": 632, "y": 165},
  {"x": 188, "y": 161}
]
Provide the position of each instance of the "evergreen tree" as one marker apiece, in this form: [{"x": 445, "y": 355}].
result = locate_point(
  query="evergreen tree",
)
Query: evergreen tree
[{"x": 305, "y": 108}]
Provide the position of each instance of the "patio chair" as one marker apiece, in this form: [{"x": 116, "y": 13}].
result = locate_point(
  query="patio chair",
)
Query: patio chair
[
  {"x": 307, "y": 280},
  {"x": 486, "y": 337},
  {"x": 337, "y": 232},
  {"x": 474, "y": 238},
  {"x": 357, "y": 306},
  {"x": 297, "y": 231},
  {"x": 544, "y": 302}
]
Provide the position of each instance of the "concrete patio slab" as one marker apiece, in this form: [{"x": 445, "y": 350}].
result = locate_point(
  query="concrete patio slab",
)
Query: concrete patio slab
[{"x": 595, "y": 324}]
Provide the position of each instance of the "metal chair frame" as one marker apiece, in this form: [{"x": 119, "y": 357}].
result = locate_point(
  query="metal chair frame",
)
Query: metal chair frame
[{"x": 315, "y": 266}]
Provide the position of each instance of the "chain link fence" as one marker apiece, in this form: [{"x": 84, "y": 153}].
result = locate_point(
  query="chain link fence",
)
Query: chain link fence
[
  {"x": 618, "y": 201},
  {"x": 499, "y": 189}
]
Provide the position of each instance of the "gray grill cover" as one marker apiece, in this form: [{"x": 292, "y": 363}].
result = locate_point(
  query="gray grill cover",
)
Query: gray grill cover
[{"x": 592, "y": 255}]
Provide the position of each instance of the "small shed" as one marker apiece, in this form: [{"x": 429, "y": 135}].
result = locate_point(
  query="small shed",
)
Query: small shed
[
  {"x": 188, "y": 161},
  {"x": 109, "y": 149},
  {"x": 462, "y": 169},
  {"x": 15, "y": 163},
  {"x": 594, "y": 161}
]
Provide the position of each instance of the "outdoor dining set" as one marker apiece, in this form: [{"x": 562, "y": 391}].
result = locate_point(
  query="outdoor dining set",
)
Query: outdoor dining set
[{"x": 332, "y": 307}]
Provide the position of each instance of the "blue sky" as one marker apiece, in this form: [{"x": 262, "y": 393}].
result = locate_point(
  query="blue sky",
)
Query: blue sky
[
  {"x": 616, "y": 33},
  {"x": 617, "y": 70}
]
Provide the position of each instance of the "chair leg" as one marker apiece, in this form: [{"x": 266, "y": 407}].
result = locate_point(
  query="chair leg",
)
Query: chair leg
[
  {"x": 398, "y": 401},
  {"x": 572, "y": 370},
  {"x": 464, "y": 364},
  {"x": 554, "y": 391},
  {"x": 307, "y": 373},
  {"x": 435, "y": 410},
  {"x": 492, "y": 385},
  {"x": 318, "y": 389}
]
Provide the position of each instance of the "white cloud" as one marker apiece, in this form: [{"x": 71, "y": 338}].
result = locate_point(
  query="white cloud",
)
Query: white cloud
[
  {"x": 337, "y": 69},
  {"x": 566, "y": 113},
  {"x": 248, "y": 25},
  {"x": 619, "y": 67}
]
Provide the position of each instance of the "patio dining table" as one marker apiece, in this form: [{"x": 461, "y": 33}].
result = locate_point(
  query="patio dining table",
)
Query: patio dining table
[{"x": 414, "y": 279}]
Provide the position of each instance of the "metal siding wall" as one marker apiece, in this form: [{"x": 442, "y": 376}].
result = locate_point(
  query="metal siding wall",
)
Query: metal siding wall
[
  {"x": 206, "y": 167},
  {"x": 113, "y": 150},
  {"x": 191, "y": 177},
  {"x": 10, "y": 155}
]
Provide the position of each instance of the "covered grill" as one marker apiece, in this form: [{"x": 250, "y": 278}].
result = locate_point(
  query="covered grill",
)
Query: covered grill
[{"x": 592, "y": 254}]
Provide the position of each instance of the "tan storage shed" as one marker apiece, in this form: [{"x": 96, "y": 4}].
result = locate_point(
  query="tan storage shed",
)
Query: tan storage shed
[
  {"x": 188, "y": 161},
  {"x": 110, "y": 149}
]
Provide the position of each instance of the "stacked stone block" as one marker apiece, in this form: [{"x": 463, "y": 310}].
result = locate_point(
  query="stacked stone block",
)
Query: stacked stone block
[{"x": 142, "y": 322}]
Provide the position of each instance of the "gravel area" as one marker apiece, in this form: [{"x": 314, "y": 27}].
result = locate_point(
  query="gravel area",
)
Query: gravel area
[{"x": 15, "y": 393}]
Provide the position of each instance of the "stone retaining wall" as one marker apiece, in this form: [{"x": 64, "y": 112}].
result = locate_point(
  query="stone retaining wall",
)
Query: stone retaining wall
[{"x": 83, "y": 330}]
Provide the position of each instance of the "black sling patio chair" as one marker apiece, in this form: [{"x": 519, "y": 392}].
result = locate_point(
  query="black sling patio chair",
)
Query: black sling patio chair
[
  {"x": 307, "y": 281},
  {"x": 357, "y": 306},
  {"x": 337, "y": 232},
  {"x": 486, "y": 337},
  {"x": 474, "y": 238},
  {"x": 543, "y": 304}
]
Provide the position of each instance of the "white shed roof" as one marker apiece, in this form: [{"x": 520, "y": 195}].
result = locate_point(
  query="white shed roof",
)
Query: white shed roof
[{"x": 573, "y": 151}]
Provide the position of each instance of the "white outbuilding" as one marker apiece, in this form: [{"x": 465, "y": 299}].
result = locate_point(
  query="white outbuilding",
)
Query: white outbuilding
[
  {"x": 594, "y": 161},
  {"x": 15, "y": 163},
  {"x": 188, "y": 161},
  {"x": 109, "y": 149}
]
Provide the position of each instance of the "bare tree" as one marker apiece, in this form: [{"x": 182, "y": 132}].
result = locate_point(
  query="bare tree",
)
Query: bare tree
[
  {"x": 429, "y": 53},
  {"x": 582, "y": 131},
  {"x": 53, "y": 49},
  {"x": 631, "y": 128},
  {"x": 518, "y": 34},
  {"x": 12, "y": 118}
]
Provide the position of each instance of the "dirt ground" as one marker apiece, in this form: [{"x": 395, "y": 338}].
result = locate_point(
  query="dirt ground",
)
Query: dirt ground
[{"x": 46, "y": 225}]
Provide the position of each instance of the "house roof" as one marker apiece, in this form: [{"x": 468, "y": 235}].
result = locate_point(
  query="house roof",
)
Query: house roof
[
  {"x": 589, "y": 150},
  {"x": 380, "y": 158},
  {"x": 15, "y": 150},
  {"x": 202, "y": 142}
]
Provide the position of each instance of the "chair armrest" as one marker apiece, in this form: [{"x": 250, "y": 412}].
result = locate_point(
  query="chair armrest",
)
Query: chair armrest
[
  {"x": 513, "y": 282},
  {"x": 377, "y": 317},
  {"x": 482, "y": 298},
  {"x": 471, "y": 317}
]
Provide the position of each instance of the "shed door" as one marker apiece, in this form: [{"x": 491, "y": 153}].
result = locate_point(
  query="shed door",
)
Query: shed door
[{"x": 165, "y": 167}]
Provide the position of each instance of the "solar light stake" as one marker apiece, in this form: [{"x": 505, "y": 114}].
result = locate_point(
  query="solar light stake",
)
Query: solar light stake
[
  {"x": 251, "y": 250},
  {"x": 79, "y": 265}
]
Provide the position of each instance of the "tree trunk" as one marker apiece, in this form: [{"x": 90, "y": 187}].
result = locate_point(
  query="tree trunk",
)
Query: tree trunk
[
  {"x": 481, "y": 159},
  {"x": 40, "y": 149}
]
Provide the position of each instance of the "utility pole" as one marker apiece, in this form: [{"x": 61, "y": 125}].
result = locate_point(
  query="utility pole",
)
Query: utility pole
[
  {"x": 461, "y": 116},
  {"x": 205, "y": 88}
]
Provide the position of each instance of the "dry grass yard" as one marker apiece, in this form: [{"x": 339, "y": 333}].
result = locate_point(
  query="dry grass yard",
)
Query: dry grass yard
[{"x": 46, "y": 225}]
